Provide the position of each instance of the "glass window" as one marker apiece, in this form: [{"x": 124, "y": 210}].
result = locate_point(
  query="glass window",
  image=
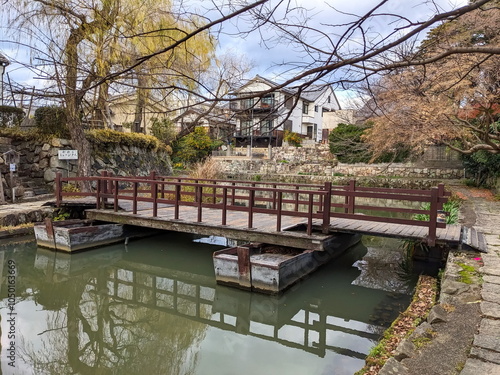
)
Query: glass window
[
  {"x": 247, "y": 103},
  {"x": 305, "y": 108},
  {"x": 268, "y": 101},
  {"x": 246, "y": 127}
]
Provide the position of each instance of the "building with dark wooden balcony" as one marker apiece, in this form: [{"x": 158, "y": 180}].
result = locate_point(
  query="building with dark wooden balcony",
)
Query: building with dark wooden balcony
[{"x": 263, "y": 111}]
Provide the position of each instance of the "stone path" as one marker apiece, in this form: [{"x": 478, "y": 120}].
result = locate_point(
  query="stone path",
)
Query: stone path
[
  {"x": 462, "y": 332},
  {"x": 484, "y": 357},
  {"x": 22, "y": 213}
]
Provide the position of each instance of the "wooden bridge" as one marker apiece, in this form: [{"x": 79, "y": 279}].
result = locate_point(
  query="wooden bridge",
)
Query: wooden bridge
[{"x": 297, "y": 215}]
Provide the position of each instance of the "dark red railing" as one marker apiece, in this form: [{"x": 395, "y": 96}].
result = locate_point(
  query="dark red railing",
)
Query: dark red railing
[{"x": 310, "y": 201}]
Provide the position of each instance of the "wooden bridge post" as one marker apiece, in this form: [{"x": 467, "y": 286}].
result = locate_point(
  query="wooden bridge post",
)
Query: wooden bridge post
[
  {"x": 177, "y": 199},
  {"x": 327, "y": 207},
  {"x": 98, "y": 194},
  {"x": 278, "y": 214},
  {"x": 154, "y": 195},
  {"x": 58, "y": 186},
  {"x": 104, "y": 187},
  {"x": 134, "y": 198},
  {"x": 115, "y": 196},
  {"x": 431, "y": 238},
  {"x": 310, "y": 214},
  {"x": 251, "y": 203},
  {"x": 224, "y": 206},
  {"x": 350, "y": 199},
  {"x": 199, "y": 199},
  {"x": 440, "y": 195}
]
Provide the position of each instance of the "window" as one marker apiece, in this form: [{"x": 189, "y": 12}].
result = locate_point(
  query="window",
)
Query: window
[
  {"x": 247, "y": 103},
  {"x": 268, "y": 101},
  {"x": 329, "y": 99},
  {"x": 305, "y": 108},
  {"x": 266, "y": 126},
  {"x": 246, "y": 127},
  {"x": 315, "y": 108},
  {"x": 288, "y": 102}
]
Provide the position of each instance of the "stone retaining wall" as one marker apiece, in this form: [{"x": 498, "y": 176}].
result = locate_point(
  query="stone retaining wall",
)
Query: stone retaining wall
[
  {"x": 398, "y": 170},
  {"x": 315, "y": 164},
  {"x": 39, "y": 163}
]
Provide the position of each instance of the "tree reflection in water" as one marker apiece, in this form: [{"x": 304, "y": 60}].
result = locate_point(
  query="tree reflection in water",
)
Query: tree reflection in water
[
  {"x": 92, "y": 332},
  {"x": 149, "y": 310}
]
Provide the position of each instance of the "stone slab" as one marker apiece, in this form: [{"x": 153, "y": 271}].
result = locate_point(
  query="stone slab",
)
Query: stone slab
[
  {"x": 493, "y": 270},
  {"x": 487, "y": 342},
  {"x": 491, "y": 279},
  {"x": 489, "y": 325},
  {"x": 491, "y": 292},
  {"x": 393, "y": 367},
  {"x": 490, "y": 310},
  {"x": 478, "y": 367},
  {"x": 486, "y": 355}
]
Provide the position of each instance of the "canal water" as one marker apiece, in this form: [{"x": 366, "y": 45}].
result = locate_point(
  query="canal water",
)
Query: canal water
[{"x": 153, "y": 307}]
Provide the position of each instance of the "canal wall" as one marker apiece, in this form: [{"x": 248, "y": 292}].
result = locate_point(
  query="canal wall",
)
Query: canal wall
[
  {"x": 315, "y": 164},
  {"x": 37, "y": 163}
]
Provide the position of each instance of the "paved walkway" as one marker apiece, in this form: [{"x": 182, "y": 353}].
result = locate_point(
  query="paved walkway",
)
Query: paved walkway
[{"x": 484, "y": 357}]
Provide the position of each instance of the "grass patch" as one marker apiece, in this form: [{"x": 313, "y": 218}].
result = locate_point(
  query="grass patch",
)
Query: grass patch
[{"x": 467, "y": 273}]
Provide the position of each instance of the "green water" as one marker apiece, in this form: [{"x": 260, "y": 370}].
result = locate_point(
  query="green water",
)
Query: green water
[{"x": 153, "y": 307}]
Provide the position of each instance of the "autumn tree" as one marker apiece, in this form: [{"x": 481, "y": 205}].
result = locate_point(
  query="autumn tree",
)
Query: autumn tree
[{"x": 453, "y": 101}]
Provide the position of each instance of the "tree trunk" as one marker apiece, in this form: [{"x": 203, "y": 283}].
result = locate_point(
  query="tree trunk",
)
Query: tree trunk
[{"x": 73, "y": 100}]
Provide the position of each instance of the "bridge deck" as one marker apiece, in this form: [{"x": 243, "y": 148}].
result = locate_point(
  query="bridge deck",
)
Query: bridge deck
[{"x": 264, "y": 226}]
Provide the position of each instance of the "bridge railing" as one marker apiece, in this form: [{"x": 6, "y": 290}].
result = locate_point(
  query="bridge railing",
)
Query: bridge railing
[{"x": 316, "y": 203}]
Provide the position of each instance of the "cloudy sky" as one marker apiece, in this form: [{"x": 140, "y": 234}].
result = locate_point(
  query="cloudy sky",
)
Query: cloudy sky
[{"x": 326, "y": 19}]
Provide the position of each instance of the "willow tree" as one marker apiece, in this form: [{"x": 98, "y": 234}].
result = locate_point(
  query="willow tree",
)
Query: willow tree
[
  {"x": 153, "y": 27},
  {"x": 79, "y": 45}
]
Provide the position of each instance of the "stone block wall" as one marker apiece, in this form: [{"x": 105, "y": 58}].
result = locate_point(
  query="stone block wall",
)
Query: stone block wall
[
  {"x": 311, "y": 160},
  {"x": 316, "y": 160},
  {"x": 397, "y": 170},
  {"x": 39, "y": 163}
]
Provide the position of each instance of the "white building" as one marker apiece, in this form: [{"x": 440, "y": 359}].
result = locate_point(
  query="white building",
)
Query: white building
[{"x": 263, "y": 113}]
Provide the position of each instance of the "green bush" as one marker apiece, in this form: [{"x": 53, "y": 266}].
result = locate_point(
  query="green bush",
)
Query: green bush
[
  {"x": 292, "y": 138},
  {"x": 107, "y": 136},
  {"x": 10, "y": 116},
  {"x": 52, "y": 120},
  {"x": 163, "y": 129},
  {"x": 483, "y": 168},
  {"x": 194, "y": 147},
  {"x": 346, "y": 142}
]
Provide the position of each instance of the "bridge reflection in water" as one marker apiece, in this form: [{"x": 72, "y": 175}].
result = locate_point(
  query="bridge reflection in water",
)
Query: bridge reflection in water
[{"x": 118, "y": 286}]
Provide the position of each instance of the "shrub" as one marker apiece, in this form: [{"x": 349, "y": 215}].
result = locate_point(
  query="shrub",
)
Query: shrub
[
  {"x": 194, "y": 147},
  {"x": 208, "y": 169},
  {"x": 346, "y": 142},
  {"x": 108, "y": 136},
  {"x": 483, "y": 168},
  {"x": 10, "y": 116},
  {"x": 292, "y": 138},
  {"x": 163, "y": 129},
  {"x": 52, "y": 120}
]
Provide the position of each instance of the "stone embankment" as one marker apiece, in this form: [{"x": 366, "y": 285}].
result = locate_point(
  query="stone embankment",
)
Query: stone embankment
[
  {"x": 461, "y": 333},
  {"x": 315, "y": 164},
  {"x": 37, "y": 164}
]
